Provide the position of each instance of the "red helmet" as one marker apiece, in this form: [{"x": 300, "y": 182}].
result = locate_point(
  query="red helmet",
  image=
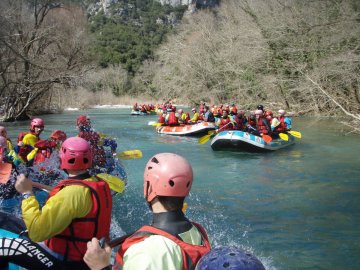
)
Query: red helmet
[
  {"x": 58, "y": 135},
  {"x": 36, "y": 122},
  {"x": 83, "y": 120},
  {"x": 75, "y": 154},
  {"x": 167, "y": 174},
  {"x": 268, "y": 113}
]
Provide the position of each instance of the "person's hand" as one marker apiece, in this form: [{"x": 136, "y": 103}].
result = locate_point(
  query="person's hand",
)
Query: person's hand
[
  {"x": 23, "y": 184},
  {"x": 96, "y": 257}
]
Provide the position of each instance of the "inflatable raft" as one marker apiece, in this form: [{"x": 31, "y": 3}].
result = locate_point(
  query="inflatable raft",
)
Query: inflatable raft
[
  {"x": 236, "y": 140},
  {"x": 139, "y": 113},
  {"x": 188, "y": 130}
]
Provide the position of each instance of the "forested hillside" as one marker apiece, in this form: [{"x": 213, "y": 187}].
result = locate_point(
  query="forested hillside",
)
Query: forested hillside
[{"x": 299, "y": 55}]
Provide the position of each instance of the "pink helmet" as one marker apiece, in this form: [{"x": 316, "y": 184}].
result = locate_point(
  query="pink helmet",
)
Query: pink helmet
[
  {"x": 3, "y": 143},
  {"x": 36, "y": 122},
  {"x": 258, "y": 112},
  {"x": 193, "y": 109},
  {"x": 75, "y": 154},
  {"x": 167, "y": 174},
  {"x": 180, "y": 111},
  {"x": 58, "y": 135},
  {"x": 281, "y": 112}
]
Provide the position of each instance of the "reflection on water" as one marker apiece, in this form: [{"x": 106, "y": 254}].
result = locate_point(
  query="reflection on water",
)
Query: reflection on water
[{"x": 297, "y": 208}]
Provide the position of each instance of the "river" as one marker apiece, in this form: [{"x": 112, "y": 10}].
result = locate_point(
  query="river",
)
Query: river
[{"x": 296, "y": 208}]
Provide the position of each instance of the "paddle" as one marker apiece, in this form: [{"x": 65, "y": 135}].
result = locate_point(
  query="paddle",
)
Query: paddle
[
  {"x": 207, "y": 137},
  {"x": 284, "y": 136},
  {"x": 296, "y": 134},
  {"x": 5, "y": 172},
  {"x": 129, "y": 154},
  {"x": 266, "y": 138},
  {"x": 114, "y": 182}
]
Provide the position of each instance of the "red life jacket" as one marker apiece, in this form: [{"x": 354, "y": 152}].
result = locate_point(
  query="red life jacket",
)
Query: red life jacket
[
  {"x": 173, "y": 120},
  {"x": 26, "y": 149},
  {"x": 45, "y": 149},
  {"x": 191, "y": 253},
  {"x": 261, "y": 127},
  {"x": 161, "y": 118},
  {"x": 282, "y": 126},
  {"x": 71, "y": 242},
  {"x": 224, "y": 122}
]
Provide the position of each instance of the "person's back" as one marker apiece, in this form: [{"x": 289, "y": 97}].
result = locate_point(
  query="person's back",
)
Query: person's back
[
  {"x": 77, "y": 209},
  {"x": 171, "y": 242}
]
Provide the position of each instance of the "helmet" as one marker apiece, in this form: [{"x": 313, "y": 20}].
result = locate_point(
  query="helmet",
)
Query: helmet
[
  {"x": 83, "y": 120},
  {"x": 36, "y": 122},
  {"x": 180, "y": 111},
  {"x": 281, "y": 112},
  {"x": 229, "y": 258},
  {"x": 75, "y": 154},
  {"x": 241, "y": 112},
  {"x": 193, "y": 109},
  {"x": 167, "y": 174},
  {"x": 267, "y": 113},
  {"x": 260, "y": 107},
  {"x": 258, "y": 112},
  {"x": 3, "y": 143},
  {"x": 58, "y": 135}
]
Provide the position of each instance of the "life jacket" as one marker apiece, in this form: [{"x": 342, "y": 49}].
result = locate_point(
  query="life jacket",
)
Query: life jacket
[
  {"x": 241, "y": 122},
  {"x": 282, "y": 126},
  {"x": 224, "y": 124},
  {"x": 161, "y": 118},
  {"x": 25, "y": 149},
  {"x": 261, "y": 127},
  {"x": 71, "y": 243},
  {"x": 173, "y": 120},
  {"x": 191, "y": 254},
  {"x": 251, "y": 122},
  {"x": 45, "y": 149}
]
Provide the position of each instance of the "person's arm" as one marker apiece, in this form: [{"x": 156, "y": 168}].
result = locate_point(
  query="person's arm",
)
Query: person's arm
[
  {"x": 97, "y": 258},
  {"x": 69, "y": 203}
]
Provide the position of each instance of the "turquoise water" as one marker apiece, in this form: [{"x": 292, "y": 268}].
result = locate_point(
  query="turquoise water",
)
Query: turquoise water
[{"x": 297, "y": 208}]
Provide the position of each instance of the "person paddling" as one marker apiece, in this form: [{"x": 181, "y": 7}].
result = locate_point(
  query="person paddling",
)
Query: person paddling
[
  {"x": 171, "y": 242},
  {"x": 27, "y": 140},
  {"x": 78, "y": 209}
]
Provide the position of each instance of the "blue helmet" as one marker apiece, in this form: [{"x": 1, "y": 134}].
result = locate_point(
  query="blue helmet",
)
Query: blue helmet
[{"x": 229, "y": 258}]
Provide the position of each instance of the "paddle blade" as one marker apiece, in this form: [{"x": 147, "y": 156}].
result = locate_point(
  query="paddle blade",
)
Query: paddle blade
[
  {"x": 129, "y": 154},
  {"x": 114, "y": 182},
  {"x": 267, "y": 138},
  {"x": 5, "y": 172},
  {"x": 284, "y": 136},
  {"x": 296, "y": 134},
  {"x": 204, "y": 138}
]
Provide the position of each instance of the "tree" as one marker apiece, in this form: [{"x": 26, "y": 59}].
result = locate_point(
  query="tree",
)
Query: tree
[{"x": 41, "y": 46}]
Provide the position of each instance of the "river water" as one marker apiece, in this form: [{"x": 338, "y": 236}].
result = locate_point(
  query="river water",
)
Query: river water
[{"x": 296, "y": 208}]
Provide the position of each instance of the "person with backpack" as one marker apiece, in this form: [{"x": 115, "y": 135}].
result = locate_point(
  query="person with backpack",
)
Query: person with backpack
[
  {"x": 171, "y": 242},
  {"x": 78, "y": 209}
]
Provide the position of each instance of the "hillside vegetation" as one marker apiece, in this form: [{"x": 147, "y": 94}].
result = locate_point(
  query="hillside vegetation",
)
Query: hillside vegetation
[{"x": 299, "y": 55}]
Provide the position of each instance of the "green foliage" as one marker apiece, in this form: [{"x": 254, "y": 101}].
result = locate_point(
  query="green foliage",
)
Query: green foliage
[{"x": 131, "y": 34}]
